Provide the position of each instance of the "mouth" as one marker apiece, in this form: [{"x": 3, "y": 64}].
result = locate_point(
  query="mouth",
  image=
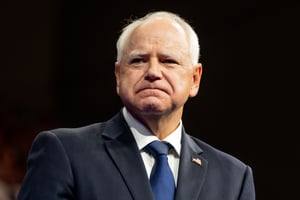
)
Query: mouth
[{"x": 152, "y": 90}]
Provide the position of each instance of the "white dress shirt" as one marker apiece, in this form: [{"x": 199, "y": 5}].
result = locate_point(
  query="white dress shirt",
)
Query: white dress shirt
[{"x": 143, "y": 137}]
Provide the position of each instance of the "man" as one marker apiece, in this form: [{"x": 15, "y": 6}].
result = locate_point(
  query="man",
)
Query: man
[{"x": 157, "y": 71}]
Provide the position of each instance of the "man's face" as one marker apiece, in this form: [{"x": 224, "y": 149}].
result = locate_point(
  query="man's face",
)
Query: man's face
[{"x": 155, "y": 75}]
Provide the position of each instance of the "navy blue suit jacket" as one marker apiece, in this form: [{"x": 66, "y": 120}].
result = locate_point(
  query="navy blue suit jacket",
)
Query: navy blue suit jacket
[{"x": 102, "y": 162}]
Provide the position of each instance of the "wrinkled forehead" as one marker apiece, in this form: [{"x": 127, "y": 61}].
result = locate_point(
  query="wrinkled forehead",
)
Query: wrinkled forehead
[
  {"x": 163, "y": 32},
  {"x": 160, "y": 26}
]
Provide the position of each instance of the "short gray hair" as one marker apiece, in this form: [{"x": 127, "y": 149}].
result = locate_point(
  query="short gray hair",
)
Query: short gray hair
[{"x": 191, "y": 34}]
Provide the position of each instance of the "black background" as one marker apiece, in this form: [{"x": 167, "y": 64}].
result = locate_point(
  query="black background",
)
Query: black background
[{"x": 57, "y": 65}]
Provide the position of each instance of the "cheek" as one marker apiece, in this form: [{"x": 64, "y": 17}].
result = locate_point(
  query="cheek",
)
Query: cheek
[
  {"x": 181, "y": 81},
  {"x": 128, "y": 80}
]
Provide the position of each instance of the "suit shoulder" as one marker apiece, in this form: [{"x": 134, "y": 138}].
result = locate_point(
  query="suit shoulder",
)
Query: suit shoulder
[
  {"x": 73, "y": 136},
  {"x": 215, "y": 155},
  {"x": 90, "y": 129}
]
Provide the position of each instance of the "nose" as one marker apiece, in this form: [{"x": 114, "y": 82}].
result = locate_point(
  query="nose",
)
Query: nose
[{"x": 153, "y": 71}]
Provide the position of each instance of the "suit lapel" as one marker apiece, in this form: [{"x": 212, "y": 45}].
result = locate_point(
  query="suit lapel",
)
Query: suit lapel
[
  {"x": 192, "y": 170},
  {"x": 125, "y": 154}
]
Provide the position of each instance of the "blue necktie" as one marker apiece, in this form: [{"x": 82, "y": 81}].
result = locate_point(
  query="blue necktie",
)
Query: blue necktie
[{"x": 161, "y": 179}]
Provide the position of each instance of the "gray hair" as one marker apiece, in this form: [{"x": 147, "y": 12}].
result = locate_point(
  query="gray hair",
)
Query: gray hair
[{"x": 191, "y": 34}]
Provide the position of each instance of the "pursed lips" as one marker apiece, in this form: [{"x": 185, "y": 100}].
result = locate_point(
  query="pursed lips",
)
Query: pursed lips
[{"x": 145, "y": 88}]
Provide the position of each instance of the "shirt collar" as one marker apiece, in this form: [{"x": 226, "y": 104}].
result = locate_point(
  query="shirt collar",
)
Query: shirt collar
[{"x": 143, "y": 135}]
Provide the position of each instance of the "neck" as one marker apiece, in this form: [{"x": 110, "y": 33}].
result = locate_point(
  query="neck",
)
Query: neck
[{"x": 160, "y": 125}]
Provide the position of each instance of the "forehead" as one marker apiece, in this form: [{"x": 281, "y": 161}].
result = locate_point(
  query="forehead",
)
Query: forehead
[{"x": 158, "y": 32}]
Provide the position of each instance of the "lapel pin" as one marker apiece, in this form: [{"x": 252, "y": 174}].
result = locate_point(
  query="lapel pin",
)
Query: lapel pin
[{"x": 197, "y": 161}]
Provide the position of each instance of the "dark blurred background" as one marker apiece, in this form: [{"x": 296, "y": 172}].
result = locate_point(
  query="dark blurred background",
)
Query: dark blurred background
[{"x": 57, "y": 70}]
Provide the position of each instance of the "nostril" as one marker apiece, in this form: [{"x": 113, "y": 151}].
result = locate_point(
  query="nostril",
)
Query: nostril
[
  {"x": 151, "y": 77},
  {"x": 153, "y": 73}
]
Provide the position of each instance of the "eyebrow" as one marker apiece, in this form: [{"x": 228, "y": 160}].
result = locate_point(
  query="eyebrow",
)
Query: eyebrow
[{"x": 135, "y": 53}]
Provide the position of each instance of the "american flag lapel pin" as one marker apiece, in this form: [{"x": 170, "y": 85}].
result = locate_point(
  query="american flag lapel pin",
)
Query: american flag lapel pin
[{"x": 197, "y": 161}]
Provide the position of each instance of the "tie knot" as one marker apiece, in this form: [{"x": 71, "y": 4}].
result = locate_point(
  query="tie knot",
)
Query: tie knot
[{"x": 158, "y": 148}]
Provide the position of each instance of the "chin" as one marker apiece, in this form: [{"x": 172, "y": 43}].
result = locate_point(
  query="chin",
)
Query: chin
[{"x": 152, "y": 109}]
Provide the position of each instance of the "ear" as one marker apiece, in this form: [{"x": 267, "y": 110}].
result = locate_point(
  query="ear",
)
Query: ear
[
  {"x": 117, "y": 76},
  {"x": 197, "y": 73}
]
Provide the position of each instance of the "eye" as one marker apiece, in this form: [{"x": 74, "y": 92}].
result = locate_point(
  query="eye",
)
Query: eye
[
  {"x": 169, "y": 61},
  {"x": 136, "y": 60}
]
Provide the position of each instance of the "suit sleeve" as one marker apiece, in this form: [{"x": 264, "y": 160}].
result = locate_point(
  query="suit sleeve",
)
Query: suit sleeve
[
  {"x": 248, "y": 189},
  {"x": 48, "y": 175}
]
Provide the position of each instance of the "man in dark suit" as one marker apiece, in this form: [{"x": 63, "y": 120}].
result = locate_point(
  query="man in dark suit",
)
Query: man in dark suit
[{"x": 157, "y": 71}]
